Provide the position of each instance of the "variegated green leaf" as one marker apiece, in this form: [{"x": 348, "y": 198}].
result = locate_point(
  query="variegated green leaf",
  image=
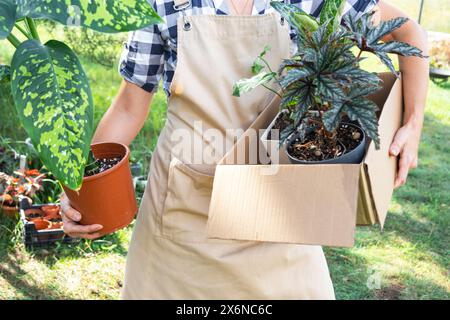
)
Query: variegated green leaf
[
  {"x": 7, "y": 17},
  {"x": 297, "y": 18},
  {"x": 259, "y": 63},
  {"x": 5, "y": 72},
  {"x": 109, "y": 16},
  {"x": 332, "y": 13},
  {"x": 54, "y": 102},
  {"x": 246, "y": 85}
]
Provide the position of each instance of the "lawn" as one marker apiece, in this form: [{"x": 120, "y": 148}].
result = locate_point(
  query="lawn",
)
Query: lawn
[{"x": 408, "y": 260}]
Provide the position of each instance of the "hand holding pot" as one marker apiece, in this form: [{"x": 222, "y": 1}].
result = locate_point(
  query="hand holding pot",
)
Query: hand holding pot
[{"x": 70, "y": 217}]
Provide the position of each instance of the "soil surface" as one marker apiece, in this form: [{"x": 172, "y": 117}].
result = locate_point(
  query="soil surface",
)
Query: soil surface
[
  {"x": 318, "y": 148},
  {"x": 101, "y": 165}
]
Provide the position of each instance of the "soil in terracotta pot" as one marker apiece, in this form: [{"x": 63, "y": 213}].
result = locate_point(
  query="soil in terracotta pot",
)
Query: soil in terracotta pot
[
  {"x": 33, "y": 213},
  {"x": 101, "y": 165},
  {"x": 282, "y": 121},
  {"x": 316, "y": 148}
]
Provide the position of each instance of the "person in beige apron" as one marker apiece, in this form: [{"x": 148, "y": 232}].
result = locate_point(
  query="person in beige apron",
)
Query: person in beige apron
[{"x": 170, "y": 256}]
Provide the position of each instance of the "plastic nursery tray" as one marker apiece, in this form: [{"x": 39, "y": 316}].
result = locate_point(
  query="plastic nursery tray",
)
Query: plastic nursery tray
[{"x": 40, "y": 238}]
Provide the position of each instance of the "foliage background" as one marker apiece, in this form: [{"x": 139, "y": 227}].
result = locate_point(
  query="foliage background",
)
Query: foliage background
[{"x": 408, "y": 260}]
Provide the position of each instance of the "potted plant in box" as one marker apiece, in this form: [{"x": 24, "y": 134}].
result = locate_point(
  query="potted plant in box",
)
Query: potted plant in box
[
  {"x": 323, "y": 88},
  {"x": 54, "y": 102}
]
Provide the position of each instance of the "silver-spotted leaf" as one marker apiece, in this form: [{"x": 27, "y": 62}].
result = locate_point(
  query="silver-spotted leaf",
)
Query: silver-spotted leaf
[
  {"x": 8, "y": 10},
  {"x": 54, "y": 102},
  {"x": 108, "y": 16}
]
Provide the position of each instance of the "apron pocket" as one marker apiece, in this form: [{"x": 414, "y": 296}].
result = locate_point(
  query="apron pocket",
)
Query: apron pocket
[{"x": 187, "y": 201}]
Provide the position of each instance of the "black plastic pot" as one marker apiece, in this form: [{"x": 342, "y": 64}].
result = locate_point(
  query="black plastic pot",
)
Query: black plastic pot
[
  {"x": 352, "y": 157},
  {"x": 439, "y": 75}
]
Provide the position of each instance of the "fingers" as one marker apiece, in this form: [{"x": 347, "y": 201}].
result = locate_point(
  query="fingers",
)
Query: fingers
[
  {"x": 68, "y": 211},
  {"x": 71, "y": 228},
  {"x": 92, "y": 236},
  {"x": 407, "y": 162},
  {"x": 398, "y": 143},
  {"x": 70, "y": 217}
]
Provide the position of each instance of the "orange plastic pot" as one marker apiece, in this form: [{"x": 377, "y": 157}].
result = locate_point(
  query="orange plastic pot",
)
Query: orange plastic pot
[
  {"x": 51, "y": 212},
  {"x": 107, "y": 198},
  {"x": 40, "y": 224}
]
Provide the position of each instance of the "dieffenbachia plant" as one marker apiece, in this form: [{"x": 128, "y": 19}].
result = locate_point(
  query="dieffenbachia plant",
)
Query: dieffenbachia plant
[
  {"x": 49, "y": 86},
  {"x": 324, "y": 75}
]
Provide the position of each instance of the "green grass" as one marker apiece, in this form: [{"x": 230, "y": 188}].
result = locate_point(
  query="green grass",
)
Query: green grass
[
  {"x": 409, "y": 259},
  {"x": 435, "y": 13}
]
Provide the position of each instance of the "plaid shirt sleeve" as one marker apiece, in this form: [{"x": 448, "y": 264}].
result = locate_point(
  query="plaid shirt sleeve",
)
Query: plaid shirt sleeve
[{"x": 142, "y": 60}]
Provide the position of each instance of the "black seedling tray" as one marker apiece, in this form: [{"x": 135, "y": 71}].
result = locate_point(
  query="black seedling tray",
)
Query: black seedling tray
[{"x": 39, "y": 238}]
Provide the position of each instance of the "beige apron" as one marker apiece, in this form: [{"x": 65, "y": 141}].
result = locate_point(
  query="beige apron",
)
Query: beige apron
[{"x": 170, "y": 256}]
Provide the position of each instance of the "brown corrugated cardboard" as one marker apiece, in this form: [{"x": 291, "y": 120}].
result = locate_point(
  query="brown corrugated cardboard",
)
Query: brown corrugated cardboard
[{"x": 305, "y": 204}]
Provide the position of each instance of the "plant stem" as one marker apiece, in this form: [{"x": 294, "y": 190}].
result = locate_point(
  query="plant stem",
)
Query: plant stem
[
  {"x": 32, "y": 28},
  {"x": 24, "y": 32},
  {"x": 272, "y": 90},
  {"x": 359, "y": 54},
  {"x": 13, "y": 40},
  {"x": 267, "y": 64}
]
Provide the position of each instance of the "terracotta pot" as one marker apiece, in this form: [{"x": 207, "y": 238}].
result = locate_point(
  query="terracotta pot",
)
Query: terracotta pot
[
  {"x": 40, "y": 224},
  {"x": 56, "y": 225},
  {"x": 51, "y": 212},
  {"x": 33, "y": 213},
  {"x": 107, "y": 198},
  {"x": 10, "y": 212}
]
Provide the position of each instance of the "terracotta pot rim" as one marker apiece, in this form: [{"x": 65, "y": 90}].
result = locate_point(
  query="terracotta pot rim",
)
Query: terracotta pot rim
[
  {"x": 5, "y": 206},
  {"x": 111, "y": 170}
]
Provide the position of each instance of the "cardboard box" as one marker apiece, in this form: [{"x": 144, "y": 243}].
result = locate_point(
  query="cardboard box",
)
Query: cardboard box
[{"x": 304, "y": 204}]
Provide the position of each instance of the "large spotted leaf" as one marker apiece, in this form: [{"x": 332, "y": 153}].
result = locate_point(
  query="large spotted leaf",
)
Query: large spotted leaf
[
  {"x": 102, "y": 15},
  {"x": 54, "y": 102},
  {"x": 7, "y": 17}
]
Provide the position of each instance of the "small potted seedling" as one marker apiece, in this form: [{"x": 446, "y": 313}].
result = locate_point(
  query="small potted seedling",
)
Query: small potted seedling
[
  {"x": 323, "y": 88},
  {"x": 54, "y": 102}
]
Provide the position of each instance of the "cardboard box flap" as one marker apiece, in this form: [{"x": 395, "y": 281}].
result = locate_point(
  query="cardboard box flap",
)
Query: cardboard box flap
[
  {"x": 379, "y": 166},
  {"x": 249, "y": 205}
]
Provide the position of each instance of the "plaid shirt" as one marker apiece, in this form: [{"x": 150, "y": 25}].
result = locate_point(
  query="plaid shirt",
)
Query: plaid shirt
[{"x": 151, "y": 53}]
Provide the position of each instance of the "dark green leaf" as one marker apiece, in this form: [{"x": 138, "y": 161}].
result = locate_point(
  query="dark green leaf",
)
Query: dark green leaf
[
  {"x": 8, "y": 10},
  {"x": 364, "y": 111},
  {"x": 383, "y": 29},
  {"x": 246, "y": 85},
  {"x": 332, "y": 117},
  {"x": 387, "y": 61},
  {"x": 105, "y": 16},
  {"x": 295, "y": 75},
  {"x": 328, "y": 89},
  {"x": 400, "y": 48},
  {"x": 54, "y": 102},
  {"x": 5, "y": 73},
  {"x": 296, "y": 17}
]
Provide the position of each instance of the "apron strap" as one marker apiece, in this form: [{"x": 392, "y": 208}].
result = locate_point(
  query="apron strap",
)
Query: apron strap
[{"x": 181, "y": 4}]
